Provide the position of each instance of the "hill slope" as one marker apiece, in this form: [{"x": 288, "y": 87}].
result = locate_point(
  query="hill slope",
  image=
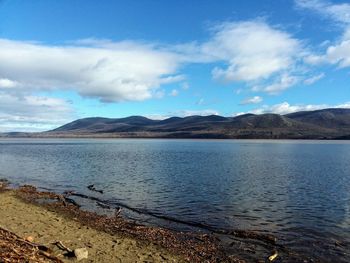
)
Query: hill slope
[{"x": 320, "y": 124}]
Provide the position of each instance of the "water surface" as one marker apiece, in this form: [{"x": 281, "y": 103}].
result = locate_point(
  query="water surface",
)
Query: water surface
[{"x": 297, "y": 190}]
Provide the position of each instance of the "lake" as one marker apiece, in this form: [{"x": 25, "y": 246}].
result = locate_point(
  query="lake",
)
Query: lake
[{"x": 296, "y": 190}]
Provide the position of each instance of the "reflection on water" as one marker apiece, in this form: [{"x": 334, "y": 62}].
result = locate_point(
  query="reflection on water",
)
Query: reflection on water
[{"x": 296, "y": 190}]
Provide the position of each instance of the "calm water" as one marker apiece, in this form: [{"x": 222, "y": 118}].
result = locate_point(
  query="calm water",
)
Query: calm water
[{"x": 299, "y": 191}]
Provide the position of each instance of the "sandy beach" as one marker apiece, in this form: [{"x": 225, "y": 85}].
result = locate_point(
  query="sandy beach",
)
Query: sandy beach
[{"x": 46, "y": 227}]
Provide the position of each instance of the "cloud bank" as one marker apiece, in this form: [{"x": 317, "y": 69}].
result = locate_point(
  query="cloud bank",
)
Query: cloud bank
[
  {"x": 262, "y": 57},
  {"x": 132, "y": 71},
  {"x": 111, "y": 72},
  {"x": 337, "y": 53},
  {"x": 285, "y": 108},
  {"x": 32, "y": 113},
  {"x": 253, "y": 52}
]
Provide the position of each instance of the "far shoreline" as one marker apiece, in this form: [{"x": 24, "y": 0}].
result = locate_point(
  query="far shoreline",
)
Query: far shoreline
[{"x": 246, "y": 140}]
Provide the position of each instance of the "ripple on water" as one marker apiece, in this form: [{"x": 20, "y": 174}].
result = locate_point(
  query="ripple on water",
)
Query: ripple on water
[{"x": 299, "y": 191}]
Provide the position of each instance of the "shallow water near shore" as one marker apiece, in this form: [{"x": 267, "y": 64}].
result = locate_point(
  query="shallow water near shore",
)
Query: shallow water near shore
[{"x": 296, "y": 190}]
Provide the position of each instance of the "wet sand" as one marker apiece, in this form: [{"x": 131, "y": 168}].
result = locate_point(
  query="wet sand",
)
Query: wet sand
[{"x": 46, "y": 226}]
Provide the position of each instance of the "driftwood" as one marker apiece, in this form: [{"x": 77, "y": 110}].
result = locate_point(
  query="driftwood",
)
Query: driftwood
[
  {"x": 13, "y": 248},
  {"x": 91, "y": 187},
  {"x": 61, "y": 246},
  {"x": 103, "y": 205},
  {"x": 62, "y": 199},
  {"x": 117, "y": 211},
  {"x": 65, "y": 200},
  {"x": 70, "y": 200}
]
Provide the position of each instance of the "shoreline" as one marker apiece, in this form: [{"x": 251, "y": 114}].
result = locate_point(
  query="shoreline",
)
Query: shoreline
[
  {"x": 50, "y": 218},
  {"x": 47, "y": 217},
  {"x": 245, "y": 140}
]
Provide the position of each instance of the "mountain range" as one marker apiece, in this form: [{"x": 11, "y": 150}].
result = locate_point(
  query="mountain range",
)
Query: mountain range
[{"x": 319, "y": 124}]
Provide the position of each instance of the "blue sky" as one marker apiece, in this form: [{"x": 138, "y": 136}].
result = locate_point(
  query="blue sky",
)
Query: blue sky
[{"x": 63, "y": 60}]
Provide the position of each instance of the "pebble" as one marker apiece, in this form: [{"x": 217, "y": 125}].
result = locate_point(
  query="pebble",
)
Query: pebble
[
  {"x": 29, "y": 239},
  {"x": 81, "y": 253}
]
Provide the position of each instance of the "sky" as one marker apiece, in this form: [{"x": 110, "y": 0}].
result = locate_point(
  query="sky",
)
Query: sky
[{"x": 70, "y": 59}]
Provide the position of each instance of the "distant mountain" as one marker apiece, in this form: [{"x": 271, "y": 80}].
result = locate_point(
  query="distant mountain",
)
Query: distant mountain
[
  {"x": 320, "y": 124},
  {"x": 98, "y": 125},
  {"x": 329, "y": 118}
]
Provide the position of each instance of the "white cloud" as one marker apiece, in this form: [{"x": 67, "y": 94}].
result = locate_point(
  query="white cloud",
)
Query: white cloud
[
  {"x": 7, "y": 83},
  {"x": 134, "y": 71},
  {"x": 284, "y": 82},
  {"x": 285, "y": 108},
  {"x": 314, "y": 59},
  {"x": 185, "y": 86},
  {"x": 32, "y": 113},
  {"x": 253, "y": 100},
  {"x": 174, "y": 93},
  {"x": 339, "y": 52},
  {"x": 336, "y": 12},
  {"x": 345, "y": 105},
  {"x": 111, "y": 72},
  {"x": 157, "y": 116},
  {"x": 314, "y": 79},
  {"x": 172, "y": 79},
  {"x": 253, "y": 50}
]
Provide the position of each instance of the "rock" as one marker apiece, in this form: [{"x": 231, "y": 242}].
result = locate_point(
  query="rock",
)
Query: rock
[
  {"x": 29, "y": 239},
  {"x": 81, "y": 253}
]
